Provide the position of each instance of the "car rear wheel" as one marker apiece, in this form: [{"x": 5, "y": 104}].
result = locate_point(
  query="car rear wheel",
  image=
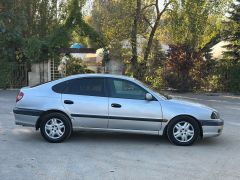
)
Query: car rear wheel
[
  {"x": 183, "y": 131},
  {"x": 55, "y": 127}
]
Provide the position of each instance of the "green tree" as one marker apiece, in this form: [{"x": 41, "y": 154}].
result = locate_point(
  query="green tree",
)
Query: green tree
[
  {"x": 32, "y": 31},
  {"x": 192, "y": 27},
  {"x": 155, "y": 71},
  {"x": 12, "y": 26},
  {"x": 229, "y": 66},
  {"x": 154, "y": 26},
  {"x": 113, "y": 19},
  {"x": 128, "y": 25}
]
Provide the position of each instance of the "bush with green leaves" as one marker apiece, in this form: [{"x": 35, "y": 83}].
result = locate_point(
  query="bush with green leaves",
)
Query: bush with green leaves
[{"x": 76, "y": 66}]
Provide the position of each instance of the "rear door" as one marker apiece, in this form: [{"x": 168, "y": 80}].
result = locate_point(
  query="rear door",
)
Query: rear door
[
  {"x": 128, "y": 108},
  {"x": 87, "y": 102}
]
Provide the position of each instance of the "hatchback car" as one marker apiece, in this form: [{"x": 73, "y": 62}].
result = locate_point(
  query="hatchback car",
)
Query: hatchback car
[{"x": 103, "y": 102}]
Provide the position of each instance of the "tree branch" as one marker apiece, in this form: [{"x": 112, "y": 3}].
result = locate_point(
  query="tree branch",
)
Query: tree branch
[
  {"x": 165, "y": 8},
  {"x": 147, "y": 6},
  {"x": 216, "y": 39},
  {"x": 149, "y": 23},
  {"x": 157, "y": 7},
  {"x": 153, "y": 31}
]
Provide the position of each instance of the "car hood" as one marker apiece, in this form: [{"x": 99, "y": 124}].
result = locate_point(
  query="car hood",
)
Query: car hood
[{"x": 190, "y": 104}]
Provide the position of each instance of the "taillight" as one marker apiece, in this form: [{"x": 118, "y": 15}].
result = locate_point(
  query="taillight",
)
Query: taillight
[{"x": 19, "y": 96}]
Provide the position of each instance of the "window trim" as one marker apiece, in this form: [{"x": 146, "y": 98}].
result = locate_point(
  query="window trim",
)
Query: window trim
[{"x": 110, "y": 84}]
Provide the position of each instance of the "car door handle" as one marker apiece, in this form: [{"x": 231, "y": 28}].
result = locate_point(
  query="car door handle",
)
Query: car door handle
[
  {"x": 68, "y": 102},
  {"x": 114, "y": 105}
]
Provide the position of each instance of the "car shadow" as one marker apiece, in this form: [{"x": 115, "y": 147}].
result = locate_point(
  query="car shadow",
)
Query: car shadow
[
  {"x": 114, "y": 137},
  {"x": 28, "y": 135}
]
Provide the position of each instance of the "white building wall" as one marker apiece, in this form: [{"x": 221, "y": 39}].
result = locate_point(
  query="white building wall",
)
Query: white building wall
[{"x": 39, "y": 72}]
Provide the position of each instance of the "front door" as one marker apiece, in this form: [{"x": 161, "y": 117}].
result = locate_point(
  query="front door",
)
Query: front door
[
  {"x": 128, "y": 108},
  {"x": 86, "y": 101}
]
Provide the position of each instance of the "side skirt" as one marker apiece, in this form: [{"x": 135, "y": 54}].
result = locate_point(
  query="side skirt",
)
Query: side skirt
[{"x": 116, "y": 130}]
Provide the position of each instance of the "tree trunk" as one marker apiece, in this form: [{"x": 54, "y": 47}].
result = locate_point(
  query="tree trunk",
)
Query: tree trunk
[
  {"x": 150, "y": 40},
  {"x": 134, "y": 33},
  {"x": 151, "y": 37}
]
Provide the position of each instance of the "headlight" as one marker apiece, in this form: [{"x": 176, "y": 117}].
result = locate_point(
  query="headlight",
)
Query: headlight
[{"x": 215, "y": 115}]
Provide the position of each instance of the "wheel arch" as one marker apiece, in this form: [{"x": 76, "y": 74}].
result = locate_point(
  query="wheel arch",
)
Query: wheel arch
[
  {"x": 184, "y": 116},
  {"x": 38, "y": 123}
]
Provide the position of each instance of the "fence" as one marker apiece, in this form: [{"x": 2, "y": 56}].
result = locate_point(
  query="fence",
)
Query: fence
[{"x": 14, "y": 75}]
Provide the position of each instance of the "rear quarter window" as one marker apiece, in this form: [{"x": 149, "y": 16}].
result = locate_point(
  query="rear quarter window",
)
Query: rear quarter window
[{"x": 59, "y": 88}]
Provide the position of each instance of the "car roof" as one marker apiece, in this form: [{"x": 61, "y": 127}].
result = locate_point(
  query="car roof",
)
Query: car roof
[
  {"x": 101, "y": 75},
  {"x": 51, "y": 83}
]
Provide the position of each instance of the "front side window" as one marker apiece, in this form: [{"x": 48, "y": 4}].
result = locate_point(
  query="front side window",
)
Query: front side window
[
  {"x": 126, "y": 89},
  {"x": 86, "y": 86}
]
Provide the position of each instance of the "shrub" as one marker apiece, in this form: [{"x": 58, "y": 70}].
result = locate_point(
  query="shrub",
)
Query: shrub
[{"x": 76, "y": 66}]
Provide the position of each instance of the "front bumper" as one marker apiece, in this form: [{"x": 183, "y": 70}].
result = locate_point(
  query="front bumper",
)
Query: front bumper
[
  {"x": 212, "y": 128},
  {"x": 26, "y": 117}
]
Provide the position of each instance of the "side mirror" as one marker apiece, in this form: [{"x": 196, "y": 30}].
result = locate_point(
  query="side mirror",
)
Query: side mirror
[{"x": 149, "y": 97}]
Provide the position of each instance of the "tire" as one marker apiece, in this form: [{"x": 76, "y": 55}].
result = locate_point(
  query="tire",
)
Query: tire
[
  {"x": 183, "y": 131},
  {"x": 55, "y": 127}
]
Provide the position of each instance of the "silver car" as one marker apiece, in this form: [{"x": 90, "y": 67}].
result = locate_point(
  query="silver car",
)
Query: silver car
[{"x": 103, "y": 102}]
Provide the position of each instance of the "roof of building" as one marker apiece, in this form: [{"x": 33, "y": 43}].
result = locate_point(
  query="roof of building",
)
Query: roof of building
[{"x": 77, "y": 46}]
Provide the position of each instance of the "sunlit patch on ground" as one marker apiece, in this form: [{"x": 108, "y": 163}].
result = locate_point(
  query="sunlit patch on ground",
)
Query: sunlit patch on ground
[{"x": 21, "y": 131}]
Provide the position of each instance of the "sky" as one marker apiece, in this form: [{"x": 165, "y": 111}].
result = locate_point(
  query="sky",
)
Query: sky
[{"x": 88, "y": 7}]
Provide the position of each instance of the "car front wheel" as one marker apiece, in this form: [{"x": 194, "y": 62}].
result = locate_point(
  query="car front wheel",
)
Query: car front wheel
[
  {"x": 55, "y": 127},
  {"x": 183, "y": 131}
]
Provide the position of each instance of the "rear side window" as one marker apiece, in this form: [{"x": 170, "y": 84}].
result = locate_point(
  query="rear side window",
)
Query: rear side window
[{"x": 83, "y": 86}]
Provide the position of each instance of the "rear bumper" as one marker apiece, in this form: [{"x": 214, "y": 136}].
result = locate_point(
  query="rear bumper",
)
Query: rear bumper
[
  {"x": 212, "y": 128},
  {"x": 26, "y": 117}
]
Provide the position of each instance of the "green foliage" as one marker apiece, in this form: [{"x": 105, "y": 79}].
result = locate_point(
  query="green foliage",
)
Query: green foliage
[
  {"x": 109, "y": 18},
  {"x": 38, "y": 27},
  {"x": 213, "y": 83},
  {"x": 155, "y": 80},
  {"x": 192, "y": 28},
  {"x": 33, "y": 30},
  {"x": 5, "y": 70},
  {"x": 115, "y": 20},
  {"x": 193, "y": 22},
  {"x": 12, "y": 25},
  {"x": 155, "y": 72},
  {"x": 229, "y": 75},
  {"x": 229, "y": 66},
  {"x": 75, "y": 22},
  {"x": 231, "y": 33}
]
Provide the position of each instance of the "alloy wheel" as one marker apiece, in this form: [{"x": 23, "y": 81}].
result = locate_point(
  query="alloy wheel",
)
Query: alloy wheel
[
  {"x": 54, "y": 128},
  {"x": 183, "y": 131}
]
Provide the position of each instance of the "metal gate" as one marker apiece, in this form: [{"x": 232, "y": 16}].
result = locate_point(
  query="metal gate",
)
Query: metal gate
[{"x": 19, "y": 75}]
